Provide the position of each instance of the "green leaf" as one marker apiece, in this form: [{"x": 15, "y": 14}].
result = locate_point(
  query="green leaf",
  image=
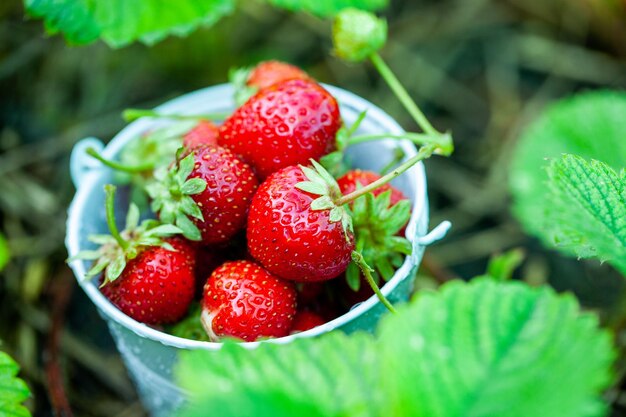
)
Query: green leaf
[
  {"x": 120, "y": 22},
  {"x": 254, "y": 403},
  {"x": 190, "y": 207},
  {"x": 190, "y": 327},
  {"x": 193, "y": 186},
  {"x": 190, "y": 230},
  {"x": 115, "y": 268},
  {"x": 132, "y": 217},
  {"x": 328, "y": 8},
  {"x": 494, "y": 349},
  {"x": 322, "y": 203},
  {"x": 163, "y": 230},
  {"x": 325, "y": 377},
  {"x": 587, "y": 210},
  {"x": 590, "y": 125},
  {"x": 13, "y": 391},
  {"x": 501, "y": 267},
  {"x": 312, "y": 187},
  {"x": 185, "y": 167},
  {"x": 5, "y": 254}
]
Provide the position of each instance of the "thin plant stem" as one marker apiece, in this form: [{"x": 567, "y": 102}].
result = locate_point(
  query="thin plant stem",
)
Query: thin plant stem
[
  {"x": 110, "y": 214},
  {"x": 117, "y": 166},
  {"x": 357, "y": 257},
  {"x": 134, "y": 114},
  {"x": 416, "y": 138},
  {"x": 402, "y": 95},
  {"x": 422, "y": 154}
]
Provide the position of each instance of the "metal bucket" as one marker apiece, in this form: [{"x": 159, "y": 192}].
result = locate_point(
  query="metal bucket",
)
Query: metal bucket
[{"x": 150, "y": 354}]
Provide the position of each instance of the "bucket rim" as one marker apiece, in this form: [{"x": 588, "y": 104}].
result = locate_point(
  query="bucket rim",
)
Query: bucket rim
[{"x": 197, "y": 102}]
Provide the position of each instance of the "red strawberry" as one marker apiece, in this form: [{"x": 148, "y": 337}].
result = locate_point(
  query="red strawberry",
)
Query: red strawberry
[
  {"x": 268, "y": 73},
  {"x": 245, "y": 301},
  {"x": 348, "y": 183},
  {"x": 204, "y": 133},
  {"x": 157, "y": 286},
  {"x": 282, "y": 125},
  {"x": 293, "y": 239},
  {"x": 146, "y": 277},
  {"x": 306, "y": 320},
  {"x": 212, "y": 187}
]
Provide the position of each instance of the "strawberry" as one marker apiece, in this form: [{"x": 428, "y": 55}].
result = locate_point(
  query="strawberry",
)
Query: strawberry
[
  {"x": 206, "y": 194},
  {"x": 268, "y": 73},
  {"x": 158, "y": 285},
  {"x": 204, "y": 133},
  {"x": 306, "y": 320},
  {"x": 243, "y": 300},
  {"x": 296, "y": 234},
  {"x": 282, "y": 125},
  {"x": 309, "y": 291},
  {"x": 248, "y": 81},
  {"x": 148, "y": 274}
]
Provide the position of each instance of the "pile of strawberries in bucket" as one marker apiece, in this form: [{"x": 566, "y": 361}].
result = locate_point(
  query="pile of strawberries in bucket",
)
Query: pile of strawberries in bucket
[{"x": 256, "y": 227}]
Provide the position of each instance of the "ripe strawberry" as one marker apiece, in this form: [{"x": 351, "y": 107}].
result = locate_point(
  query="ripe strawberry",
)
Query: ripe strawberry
[
  {"x": 268, "y": 73},
  {"x": 306, "y": 320},
  {"x": 158, "y": 285},
  {"x": 291, "y": 234},
  {"x": 204, "y": 133},
  {"x": 146, "y": 277},
  {"x": 206, "y": 194},
  {"x": 282, "y": 125},
  {"x": 245, "y": 301}
]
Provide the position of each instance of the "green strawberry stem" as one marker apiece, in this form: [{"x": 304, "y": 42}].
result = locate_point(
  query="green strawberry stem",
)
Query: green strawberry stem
[
  {"x": 358, "y": 259},
  {"x": 423, "y": 153},
  {"x": 441, "y": 140},
  {"x": 134, "y": 114},
  {"x": 402, "y": 95},
  {"x": 110, "y": 214},
  {"x": 120, "y": 167}
]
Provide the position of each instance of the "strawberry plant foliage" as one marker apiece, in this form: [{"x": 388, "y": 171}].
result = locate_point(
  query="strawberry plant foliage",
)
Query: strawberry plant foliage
[
  {"x": 589, "y": 125},
  {"x": 13, "y": 391},
  {"x": 327, "y": 8},
  {"x": 476, "y": 349},
  {"x": 586, "y": 214},
  {"x": 120, "y": 22}
]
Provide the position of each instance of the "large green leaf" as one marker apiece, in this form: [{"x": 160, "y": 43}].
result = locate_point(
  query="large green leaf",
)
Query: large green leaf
[
  {"x": 587, "y": 210},
  {"x": 488, "y": 349},
  {"x": 120, "y": 22},
  {"x": 328, "y": 8},
  {"x": 328, "y": 376},
  {"x": 13, "y": 391},
  {"x": 478, "y": 349},
  {"x": 590, "y": 125}
]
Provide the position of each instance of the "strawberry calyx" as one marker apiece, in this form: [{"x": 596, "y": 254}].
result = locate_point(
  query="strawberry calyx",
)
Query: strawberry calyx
[
  {"x": 238, "y": 77},
  {"x": 118, "y": 247},
  {"x": 171, "y": 193},
  {"x": 376, "y": 225},
  {"x": 321, "y": 183}
]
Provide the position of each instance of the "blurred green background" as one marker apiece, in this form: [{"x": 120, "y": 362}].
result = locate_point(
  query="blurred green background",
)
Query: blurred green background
[{"x": 482, "y": 68}]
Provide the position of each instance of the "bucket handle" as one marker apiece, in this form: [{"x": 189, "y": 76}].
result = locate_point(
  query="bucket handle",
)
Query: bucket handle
[
  {"x": 438, "y": 233},
  {"x": 80, "y": 162}
]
